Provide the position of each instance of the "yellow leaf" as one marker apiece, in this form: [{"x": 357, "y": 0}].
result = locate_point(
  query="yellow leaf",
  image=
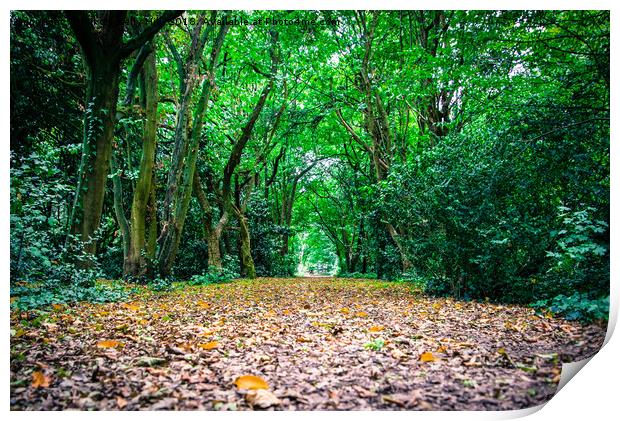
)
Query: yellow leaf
[
  {"x": 303, "y": 339},
  {"x": 437, "y": 306},
  {"x": 132, "y": 307},
  {"x": 203, "y": 304},
  {"x": 209, "y": 345},
  {"x": 361, "y": 314},
  {"x": 57, "y": 307},
  {"x": 442, "y": 348},
  {"x": 345, "y": 310},
  {"x": 427, "y": 357},
  {"x": 251, "y": 382},
  {"x": 40, "y": 380},
  {"x": 108, "y": 344},
  {"x": 376, "y": 328}
]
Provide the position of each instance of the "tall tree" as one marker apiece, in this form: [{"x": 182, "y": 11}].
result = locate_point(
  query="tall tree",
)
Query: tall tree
[{"x": 103, "y": 50}]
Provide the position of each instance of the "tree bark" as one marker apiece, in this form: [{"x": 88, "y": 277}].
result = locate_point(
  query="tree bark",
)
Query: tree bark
[
  {"x": 136, "y": 258},
  {"x": 181, "y": 176},
  {"x": 102, "y": 51}
]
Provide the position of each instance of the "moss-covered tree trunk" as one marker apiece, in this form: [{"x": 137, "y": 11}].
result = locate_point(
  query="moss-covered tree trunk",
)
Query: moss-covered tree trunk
[
  {"x": 247, "y": 263},
  {"x": 136, "y": 259},
  {"x": 103, "y": 50},
  {"x": 181, "y": 176},
  {"x": 99, "y": 120}
]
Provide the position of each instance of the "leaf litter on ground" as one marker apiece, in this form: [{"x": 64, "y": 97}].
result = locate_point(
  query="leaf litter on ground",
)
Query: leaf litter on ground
[{"x": 298, "y": 343}]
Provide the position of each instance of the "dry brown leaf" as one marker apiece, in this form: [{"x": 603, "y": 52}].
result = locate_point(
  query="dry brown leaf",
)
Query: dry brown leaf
[
  {"x": 121, "y": 402},
  {"x": 40, "y": 380},
  {"x": 251, "y": 382},
  {"x": 398, "y": 354},
  {"x": 261, "y": 398},
  {"x": 405, "y": 400}
]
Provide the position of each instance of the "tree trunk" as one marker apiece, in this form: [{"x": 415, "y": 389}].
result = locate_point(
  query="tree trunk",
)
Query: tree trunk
[
  {"x": 136, "y": 258},
  {"x": 103, "y": 49},
  {"x": 151, "y": 240},
  {"x": 99, "y": 120},
  {"x": 247, "y": 263},
  {"x": 181, "y": 178}
]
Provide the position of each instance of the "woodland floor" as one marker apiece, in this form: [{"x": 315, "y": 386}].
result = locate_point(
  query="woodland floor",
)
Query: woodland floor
[{"x": 319, "y": 343}]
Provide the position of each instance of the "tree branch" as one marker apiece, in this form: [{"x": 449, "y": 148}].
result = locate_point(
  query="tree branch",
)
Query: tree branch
[{"x": 147, "y": 34}]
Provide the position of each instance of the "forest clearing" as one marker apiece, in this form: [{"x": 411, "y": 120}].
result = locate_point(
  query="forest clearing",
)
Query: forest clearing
[
  {"x": 329, "y": 344},
  {"x": 306, "y": 209}
]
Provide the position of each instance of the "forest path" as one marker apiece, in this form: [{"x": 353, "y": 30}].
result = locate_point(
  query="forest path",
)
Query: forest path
[{"x": 319, "y": 343}]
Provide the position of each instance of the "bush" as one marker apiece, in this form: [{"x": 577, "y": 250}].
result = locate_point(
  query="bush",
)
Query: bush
[
  {"x": 213, "y": 275},
  {"x": 577, "y": 307},
  {"x": 357, "y": 275},
  {"x": 160, "y": 284},
  {"x": 31, "y": 297},
  {"x": 480, "y": 213}
]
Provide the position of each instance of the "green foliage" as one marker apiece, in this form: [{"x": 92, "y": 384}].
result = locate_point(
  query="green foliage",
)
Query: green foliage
[
  {"x": 357, "y": 275},
  {"x": 160, "y": 284},
  {"x": 213, "y": 276},
  {"x": 266, "y": 239},
  {"x": 375, "y": 345},
  {"x": 577, "y": 306},
  {"x": 580, "y": 256},
  {"x": 44, "y": 295}
]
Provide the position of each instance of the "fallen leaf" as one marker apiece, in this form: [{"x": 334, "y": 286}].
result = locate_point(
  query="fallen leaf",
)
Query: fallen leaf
[
  {"x": 427, "y": 357},
  {"x": 398, "y": 354},
  {"x": 109, "y": 344},
  {"x": 40, "y": 380},
  {"x": 376, "y": 328},
  {"x": 121, "y": 402},
  {"x": 361, "y": 314},
  {"x": 405, "y": 400},
  {"x": 261, "y": 398},
  {"x": 209, "y": 345},
  {"x": 149, "y": 361},
  {"x": 251, "y": 382}
]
